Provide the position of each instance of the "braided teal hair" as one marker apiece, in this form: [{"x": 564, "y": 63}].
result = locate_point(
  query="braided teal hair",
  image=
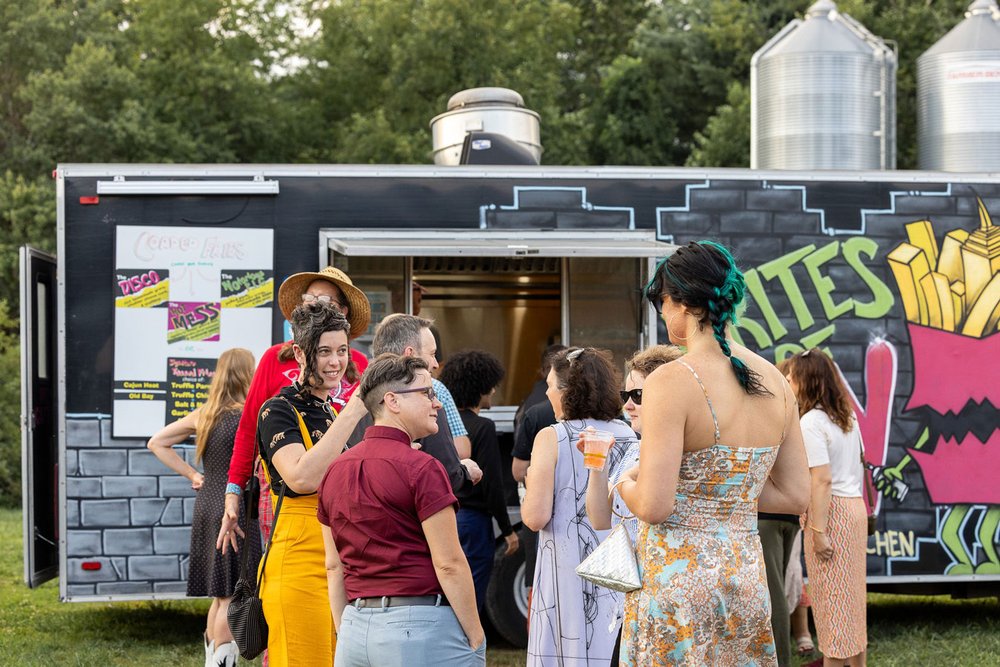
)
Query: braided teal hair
[{"x": 704, "y": 277}]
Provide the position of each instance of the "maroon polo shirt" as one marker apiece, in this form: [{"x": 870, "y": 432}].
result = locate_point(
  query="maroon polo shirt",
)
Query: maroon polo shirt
[{"x": 374, "y": 498}]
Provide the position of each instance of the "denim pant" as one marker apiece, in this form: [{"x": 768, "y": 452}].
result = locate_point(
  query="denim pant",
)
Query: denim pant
[
  {"x": 403, "y": 637},
  {"x": 475, "y": 532}
]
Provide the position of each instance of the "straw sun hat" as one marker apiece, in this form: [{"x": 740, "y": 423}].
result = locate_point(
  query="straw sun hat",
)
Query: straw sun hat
[{"x": 291, "y": 291}]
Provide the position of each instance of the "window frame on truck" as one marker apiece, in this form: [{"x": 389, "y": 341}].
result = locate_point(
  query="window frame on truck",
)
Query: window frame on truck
[{"x": 562, "y": 244}]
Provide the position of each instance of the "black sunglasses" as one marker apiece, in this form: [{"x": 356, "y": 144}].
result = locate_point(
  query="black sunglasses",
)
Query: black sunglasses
[
  {"x": 427, "y": 391},
  {"x": 634, "y": 394}
]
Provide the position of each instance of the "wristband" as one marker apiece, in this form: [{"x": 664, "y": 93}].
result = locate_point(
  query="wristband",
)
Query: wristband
[
  {"x": 234, "y": 488},
  {"x": 815, "y": 529}
]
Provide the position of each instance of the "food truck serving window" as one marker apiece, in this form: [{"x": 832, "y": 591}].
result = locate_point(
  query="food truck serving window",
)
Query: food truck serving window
[
  {"x": 511, "y": 293},
  {"x": 519, "y": 243}
]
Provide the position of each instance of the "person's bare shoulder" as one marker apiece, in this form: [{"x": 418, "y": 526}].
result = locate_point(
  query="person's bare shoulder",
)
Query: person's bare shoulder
[{"x": 672, "y": 382}]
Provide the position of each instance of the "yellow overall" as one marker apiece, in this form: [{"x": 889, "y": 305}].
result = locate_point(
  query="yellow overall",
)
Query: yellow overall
[{"x": 294, "y": 590}]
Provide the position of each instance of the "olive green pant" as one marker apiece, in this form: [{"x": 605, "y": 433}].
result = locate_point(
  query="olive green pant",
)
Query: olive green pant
[{"x": 776, "y": 538}]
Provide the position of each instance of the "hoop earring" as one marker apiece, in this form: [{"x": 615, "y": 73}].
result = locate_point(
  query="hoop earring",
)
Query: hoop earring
[{"x": 669, "y": 334}]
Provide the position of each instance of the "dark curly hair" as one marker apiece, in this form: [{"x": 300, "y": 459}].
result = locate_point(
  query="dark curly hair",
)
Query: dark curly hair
[
  {"x": 469, "y": 375},
  {"x": 589, "y": 383},
  {"x": 309, "y": 322},
  {"x": 703, "y": 276}
]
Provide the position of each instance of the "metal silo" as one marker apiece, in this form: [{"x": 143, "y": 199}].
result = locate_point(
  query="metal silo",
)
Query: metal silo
[
  {"x": 958, "y": 95},
  {"x": 823, "y": 96}
]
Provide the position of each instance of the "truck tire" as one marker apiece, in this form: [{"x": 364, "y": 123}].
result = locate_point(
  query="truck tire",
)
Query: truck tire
[{"x": 507, "y": 596}]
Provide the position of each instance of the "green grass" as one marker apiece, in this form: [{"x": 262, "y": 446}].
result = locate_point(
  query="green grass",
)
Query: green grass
[{"x": 37, "y": 629}]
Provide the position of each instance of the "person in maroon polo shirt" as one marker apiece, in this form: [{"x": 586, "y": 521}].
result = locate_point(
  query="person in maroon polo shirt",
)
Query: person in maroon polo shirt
[{"x": 401, "y": 590}]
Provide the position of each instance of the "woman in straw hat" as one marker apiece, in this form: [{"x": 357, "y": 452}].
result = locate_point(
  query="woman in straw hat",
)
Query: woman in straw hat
[{"x": 277, "y": 369}]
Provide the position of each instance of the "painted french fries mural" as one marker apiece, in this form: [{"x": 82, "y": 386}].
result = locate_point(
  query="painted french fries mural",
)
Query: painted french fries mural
[
  {"x": 905, "y": 297},
  {"x": 951, "y": 297}
]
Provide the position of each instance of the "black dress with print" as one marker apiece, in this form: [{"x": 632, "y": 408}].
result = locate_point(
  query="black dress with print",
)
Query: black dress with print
[{"x": 209, "y": 572}]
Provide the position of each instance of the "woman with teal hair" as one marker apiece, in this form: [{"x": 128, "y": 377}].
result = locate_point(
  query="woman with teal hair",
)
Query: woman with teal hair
[{"x": 721, "y": 440}]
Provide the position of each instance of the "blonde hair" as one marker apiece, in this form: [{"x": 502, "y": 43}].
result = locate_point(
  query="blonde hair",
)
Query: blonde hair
[
  {"x": 646, "y": 361},
  {"x": 228, "y": 391}
]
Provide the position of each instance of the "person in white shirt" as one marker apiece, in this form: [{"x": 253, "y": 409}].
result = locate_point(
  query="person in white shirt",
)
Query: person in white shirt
[{"x": 836, "y": 522}]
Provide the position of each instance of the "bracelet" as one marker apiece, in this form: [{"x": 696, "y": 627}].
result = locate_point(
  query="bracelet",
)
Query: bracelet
[
  {"x": 234, "y": 488},
  {"x": 815, "y": 529},
  {"x": 614, "y": 486}
]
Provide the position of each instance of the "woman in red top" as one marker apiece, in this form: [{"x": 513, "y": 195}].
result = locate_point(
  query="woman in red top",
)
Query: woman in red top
[{"x": 278, "y": 369}]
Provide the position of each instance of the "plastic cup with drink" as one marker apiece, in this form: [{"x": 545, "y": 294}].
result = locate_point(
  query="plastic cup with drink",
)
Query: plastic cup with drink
[{"x": 595, "y": 448}]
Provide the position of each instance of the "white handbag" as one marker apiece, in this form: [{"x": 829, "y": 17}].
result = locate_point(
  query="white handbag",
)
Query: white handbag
[{"x": 612, "y": 564}]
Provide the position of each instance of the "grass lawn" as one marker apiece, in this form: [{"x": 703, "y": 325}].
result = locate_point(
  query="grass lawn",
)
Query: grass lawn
[{"x": 37, "y": 629}]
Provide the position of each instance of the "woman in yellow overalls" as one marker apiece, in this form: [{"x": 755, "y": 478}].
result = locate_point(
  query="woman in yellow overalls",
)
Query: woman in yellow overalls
[{"x": 298, "y": 437}]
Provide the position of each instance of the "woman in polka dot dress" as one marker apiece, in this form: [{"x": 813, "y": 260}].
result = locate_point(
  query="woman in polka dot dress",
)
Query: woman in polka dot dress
[{"x": 210, "y": 573}]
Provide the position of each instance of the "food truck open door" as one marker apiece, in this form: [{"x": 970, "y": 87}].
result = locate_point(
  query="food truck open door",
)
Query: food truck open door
[{"x": 39, "y": 412}]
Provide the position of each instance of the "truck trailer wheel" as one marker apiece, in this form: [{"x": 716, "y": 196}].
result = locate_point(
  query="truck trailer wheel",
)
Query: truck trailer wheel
[{"x": 507, "y": 597}]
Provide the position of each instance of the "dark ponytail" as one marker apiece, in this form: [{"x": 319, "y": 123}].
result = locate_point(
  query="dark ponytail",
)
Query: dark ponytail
[{"x": 703, "y": 276}]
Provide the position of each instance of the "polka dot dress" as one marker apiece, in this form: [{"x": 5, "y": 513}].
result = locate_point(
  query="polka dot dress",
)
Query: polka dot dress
[{"x": 209, "y": 572}]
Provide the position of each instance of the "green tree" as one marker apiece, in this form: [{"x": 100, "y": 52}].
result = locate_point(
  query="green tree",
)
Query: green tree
[
  {"x": 35, "y": 36},
  {"x": 389, "y": 67},
  {"x": 27, "y": 216},
  {"x": 725, "y": 142},
  {"x": 165, "y": 81},
  {"x": 10, "y": 409},
  {"x": 677, "y": 73}
]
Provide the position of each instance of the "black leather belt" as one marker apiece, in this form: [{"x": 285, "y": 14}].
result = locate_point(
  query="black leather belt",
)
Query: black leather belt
[{"x": 400, "y": 601}]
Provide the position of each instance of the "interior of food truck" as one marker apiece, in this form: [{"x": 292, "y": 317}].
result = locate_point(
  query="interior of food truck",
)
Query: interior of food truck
[{"x": 509, "y": 296}]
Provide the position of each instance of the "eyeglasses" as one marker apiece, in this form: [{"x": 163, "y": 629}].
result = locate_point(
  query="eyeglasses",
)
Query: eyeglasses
[
  {"x": 634, "y": 394},
  {"x": 322, "y": 298},
  {"x": 427, "y": 391}
]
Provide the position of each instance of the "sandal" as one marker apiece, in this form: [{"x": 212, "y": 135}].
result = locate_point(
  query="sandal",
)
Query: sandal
[{"x": 804, "y": 645}]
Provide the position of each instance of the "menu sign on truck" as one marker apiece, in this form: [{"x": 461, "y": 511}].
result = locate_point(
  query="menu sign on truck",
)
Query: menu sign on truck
[{"x": 183, "y": 295}]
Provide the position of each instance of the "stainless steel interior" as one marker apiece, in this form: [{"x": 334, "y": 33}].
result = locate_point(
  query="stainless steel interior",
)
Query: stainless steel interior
[{"x": 512, "y": 306}]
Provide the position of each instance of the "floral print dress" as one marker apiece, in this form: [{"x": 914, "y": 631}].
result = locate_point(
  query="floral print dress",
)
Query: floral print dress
[{"x": 704, "y": 599}]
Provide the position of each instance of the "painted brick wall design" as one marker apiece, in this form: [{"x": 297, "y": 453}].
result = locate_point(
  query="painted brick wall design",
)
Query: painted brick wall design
[
  {"x": 763, "y": 221},
  {"x": 125, "y": 511}
]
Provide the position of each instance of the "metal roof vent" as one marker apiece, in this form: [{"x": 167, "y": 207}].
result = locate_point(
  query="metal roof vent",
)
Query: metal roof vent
[
  {"x": 823, "y": 96},
  {"x": 493, "y": 111},
  {"x": 958, "y": 95}
]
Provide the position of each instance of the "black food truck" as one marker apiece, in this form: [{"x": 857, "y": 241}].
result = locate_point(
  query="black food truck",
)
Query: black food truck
[{"x": 161, "y": 267}]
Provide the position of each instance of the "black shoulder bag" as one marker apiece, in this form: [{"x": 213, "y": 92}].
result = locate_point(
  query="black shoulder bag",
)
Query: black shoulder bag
[{"x": 246, "y": 610}]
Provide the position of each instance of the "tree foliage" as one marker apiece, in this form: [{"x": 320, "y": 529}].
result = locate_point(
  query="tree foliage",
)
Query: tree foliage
[
  {"x": 636, "y": 82},
  {"x": 10, "y": 409},
  {"x": 725, "y": 141}
]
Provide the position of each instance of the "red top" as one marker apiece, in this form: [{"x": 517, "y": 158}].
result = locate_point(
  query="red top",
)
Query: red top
[
  {"x": 271, "y": 376},
  {"x": 374, "y": 498}
]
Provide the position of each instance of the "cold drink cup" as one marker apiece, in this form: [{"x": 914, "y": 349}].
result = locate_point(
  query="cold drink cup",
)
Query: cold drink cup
[{"x": 595, "y": 448}]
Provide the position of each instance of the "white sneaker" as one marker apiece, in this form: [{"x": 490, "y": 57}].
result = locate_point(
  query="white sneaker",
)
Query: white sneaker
[{"x": 226, "y": 655}]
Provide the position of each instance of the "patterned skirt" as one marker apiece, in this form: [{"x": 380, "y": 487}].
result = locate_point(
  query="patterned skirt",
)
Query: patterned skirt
[{"x": 837, "y": 587}]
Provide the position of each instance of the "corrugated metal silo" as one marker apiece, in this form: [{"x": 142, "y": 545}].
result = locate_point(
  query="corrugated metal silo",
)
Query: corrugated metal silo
[
  {"x": 823, "y": 96},
  {"x": 958, "y": 95}
]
